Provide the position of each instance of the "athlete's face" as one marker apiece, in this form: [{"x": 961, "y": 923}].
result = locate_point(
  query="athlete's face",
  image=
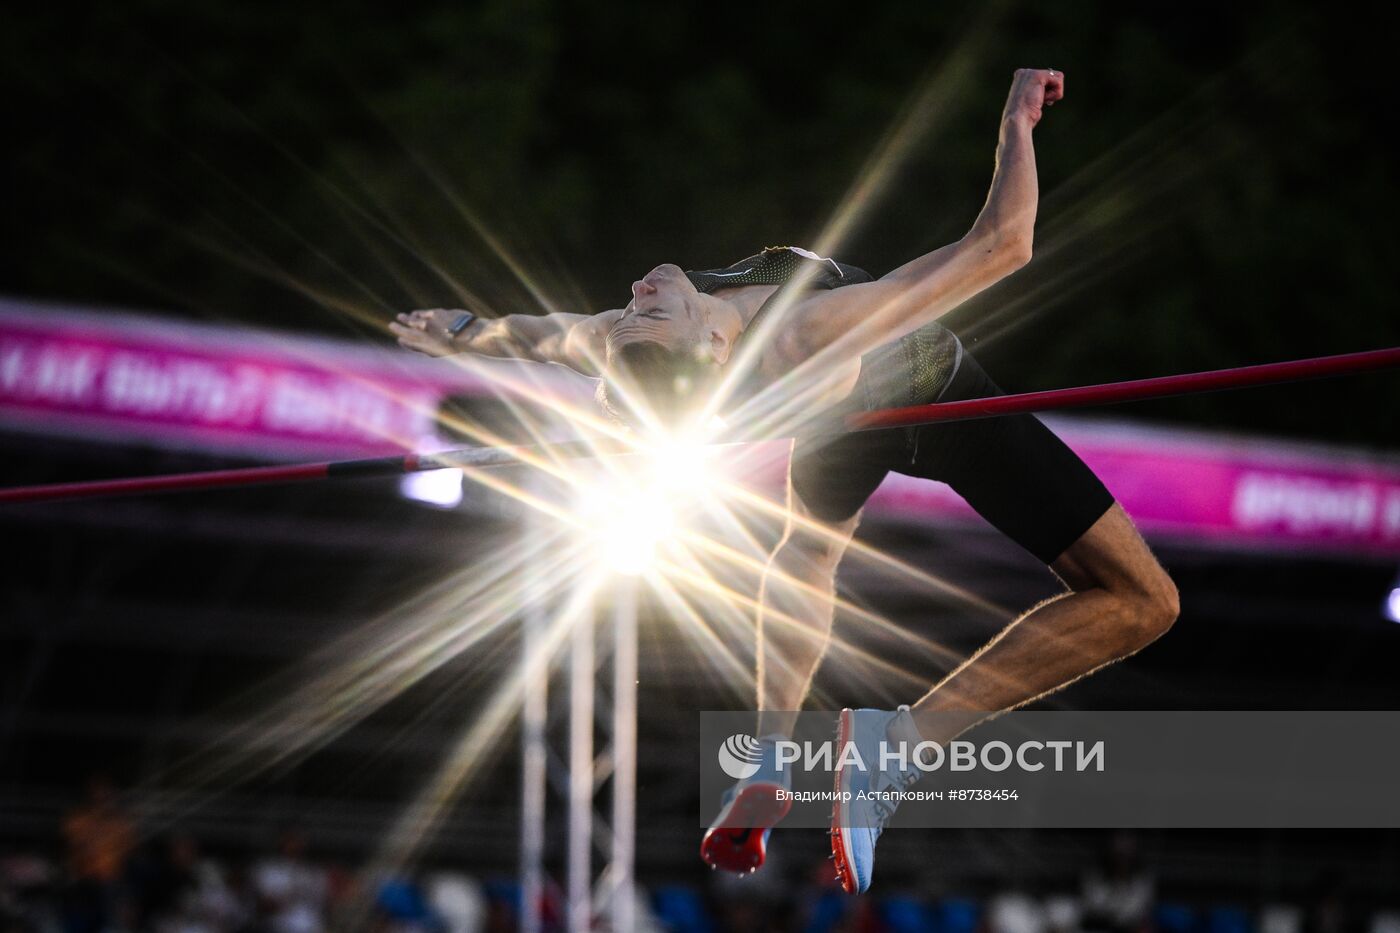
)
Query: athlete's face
[{"x": 665, "y": 309}]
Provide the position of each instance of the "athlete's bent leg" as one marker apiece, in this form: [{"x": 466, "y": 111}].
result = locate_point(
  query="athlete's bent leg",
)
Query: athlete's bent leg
[
  {"x": 796, "y": 605},
  {"x": 1120, "y": 600},
  {"x": 793, "y": 629}
]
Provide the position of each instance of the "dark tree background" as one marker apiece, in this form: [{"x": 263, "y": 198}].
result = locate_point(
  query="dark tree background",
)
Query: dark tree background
[{"x": 1217, "y": 188}]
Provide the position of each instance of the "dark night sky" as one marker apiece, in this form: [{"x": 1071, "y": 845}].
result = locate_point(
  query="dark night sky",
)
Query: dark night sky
[{"x": 1215, "y": 188}]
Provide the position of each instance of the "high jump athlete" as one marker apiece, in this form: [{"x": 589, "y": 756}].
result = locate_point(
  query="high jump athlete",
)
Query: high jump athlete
[{"x": 847, "y": 341}]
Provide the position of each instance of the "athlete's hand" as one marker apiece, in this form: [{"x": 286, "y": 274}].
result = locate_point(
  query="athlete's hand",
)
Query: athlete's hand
[
  {"x": 1032, "y": 90},
  {"x": 426, "y": 331}
]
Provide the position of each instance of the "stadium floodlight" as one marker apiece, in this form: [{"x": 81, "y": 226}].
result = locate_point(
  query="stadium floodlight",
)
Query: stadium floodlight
[
  {"x": 441, "y": 489},
  {"x": 1391, "y": 607}
]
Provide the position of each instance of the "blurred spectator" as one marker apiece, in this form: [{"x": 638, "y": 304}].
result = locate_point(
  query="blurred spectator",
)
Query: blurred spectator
[
  {"x": 290, "y": 891},
  {"x": 1062, "y": 914},
  {"x": 1016, "y": 912},
  {"x": 99, "y": 838},
  {"x": 1281, "y": 918},
  {"x": 189, "y": 894},
  {"x": 1118, "y": 895},
  {"x": 459, "y": 901}
]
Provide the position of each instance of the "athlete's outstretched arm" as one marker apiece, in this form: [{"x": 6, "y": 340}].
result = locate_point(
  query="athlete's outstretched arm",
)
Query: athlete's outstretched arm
[
  {"x": 572, "y": 340},
  {"x": 854, "y": 319}
]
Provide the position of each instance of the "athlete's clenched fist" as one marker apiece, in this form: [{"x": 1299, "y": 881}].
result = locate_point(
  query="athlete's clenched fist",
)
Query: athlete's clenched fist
[{"x": 1032, "y": 90}]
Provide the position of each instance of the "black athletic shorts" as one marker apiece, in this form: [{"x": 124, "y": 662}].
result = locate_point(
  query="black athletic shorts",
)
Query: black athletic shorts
[{"x": 1013, "y": 470}]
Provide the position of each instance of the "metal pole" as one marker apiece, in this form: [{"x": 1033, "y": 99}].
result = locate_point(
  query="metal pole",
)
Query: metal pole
[
  {"x": 579, "y": 910},
  {"x": 533, "y": 758},
  {"x": 624, "y": 802}
]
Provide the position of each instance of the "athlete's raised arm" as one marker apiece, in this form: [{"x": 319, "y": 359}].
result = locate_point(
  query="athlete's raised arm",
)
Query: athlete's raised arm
[
  {"x": 856, "y": 318},
  {"x": 572, "y": 340}
]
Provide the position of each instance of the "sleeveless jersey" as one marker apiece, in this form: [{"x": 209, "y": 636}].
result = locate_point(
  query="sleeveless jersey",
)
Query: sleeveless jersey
[{"x": 913, "y": 370}]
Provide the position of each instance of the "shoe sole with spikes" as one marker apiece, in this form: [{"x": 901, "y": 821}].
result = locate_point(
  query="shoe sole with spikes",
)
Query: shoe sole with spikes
[
  {"x": 736, "y": 841},
  {"x": 840, "y": 843}
]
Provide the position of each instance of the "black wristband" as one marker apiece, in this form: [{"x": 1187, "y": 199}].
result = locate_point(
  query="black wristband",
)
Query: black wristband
[{"x": 462, "y": 322}]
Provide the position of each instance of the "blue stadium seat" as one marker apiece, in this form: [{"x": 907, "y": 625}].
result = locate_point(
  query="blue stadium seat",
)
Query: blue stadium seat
[
  {"x": 1174, "y": 918},
  {"x": 1229, "y": 920},
  {"x": 681, "y": 909},
  {"x": 503, "y": 891},
  {"x": 403, "y": 901},
  {"x": 957, "y": 915},
  {"x": 906, "y": 915},
  {"x": 830, "y": 909}
]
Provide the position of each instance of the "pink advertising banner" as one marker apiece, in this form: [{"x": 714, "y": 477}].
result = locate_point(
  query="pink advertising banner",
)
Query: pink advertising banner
[
  {"x": 131, "y": 377},
  {"x": 136, "y": 378}
]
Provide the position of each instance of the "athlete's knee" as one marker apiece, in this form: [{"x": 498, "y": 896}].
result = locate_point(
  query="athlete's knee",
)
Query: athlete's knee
[{"x": 1112, "y": 558}]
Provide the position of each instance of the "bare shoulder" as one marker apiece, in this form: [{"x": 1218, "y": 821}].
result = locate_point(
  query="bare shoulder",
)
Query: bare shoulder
[{"x": 585, "y": 342}]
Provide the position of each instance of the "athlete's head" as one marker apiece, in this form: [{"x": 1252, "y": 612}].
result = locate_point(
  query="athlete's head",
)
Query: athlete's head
[{"x": 668, "y": 348}]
